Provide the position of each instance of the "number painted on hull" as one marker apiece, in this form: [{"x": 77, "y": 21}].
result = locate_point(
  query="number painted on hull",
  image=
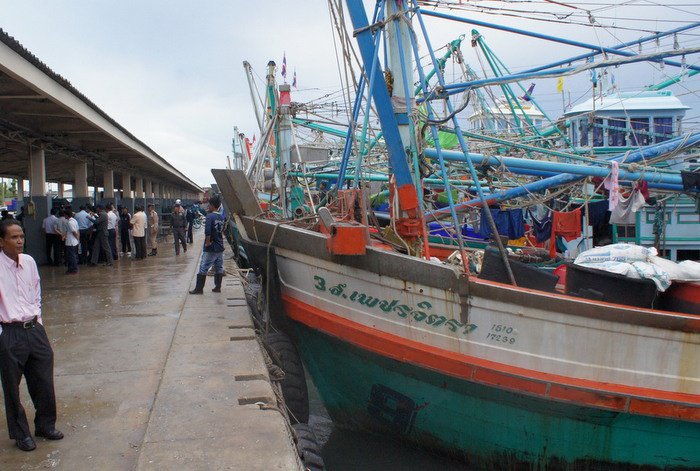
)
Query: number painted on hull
[
  {"x": 502, "y": 333},
  {"x": 419, "y": 313}
]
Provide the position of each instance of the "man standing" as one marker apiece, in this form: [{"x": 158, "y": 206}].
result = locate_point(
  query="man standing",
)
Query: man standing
[
  {"x": 138, "y": 223},
  {"x": 112, "y": 219},
  {"x": 71, "y": 239},
  {"x": 124, "y": 229},
  {"x": 24, "y": 345},
  {"x": 178, "y": 221},
  {"x": 85, "y": 226},
  {"x": 190, "y": 215},
  {"x": 213, "y": 253},
  {"x": 53, "y": 240},
  {"x": 153, "y": 229},
  {"x": 101, "y": 244}
]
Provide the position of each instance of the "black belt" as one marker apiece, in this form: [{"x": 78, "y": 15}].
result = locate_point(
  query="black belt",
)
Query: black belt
[{"x": 24, "y": 324}]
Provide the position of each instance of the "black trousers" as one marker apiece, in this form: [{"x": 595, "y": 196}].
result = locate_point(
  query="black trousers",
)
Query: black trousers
[
  {"x": 112, "y": 238},
  {"x": 179, "y": 238},
  {"x": 126, "y": 244},
  {"x": 84, "y": 245},
  {"x": 72, "y": 258},
  {"x": 190, "y": 226},
  {"x": 140, "y": 243},
  {"x": 53, "y": 249},
  {"x": 101, "y": 246},
  {"x": 27, "y": 352}
]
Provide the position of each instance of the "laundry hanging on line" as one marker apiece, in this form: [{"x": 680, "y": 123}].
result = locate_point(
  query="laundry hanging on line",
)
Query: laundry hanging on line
[
  {"x": 566, "y": 225},
  {"x": 509, "y": 222},
  {"x": 625, "y": 213}
]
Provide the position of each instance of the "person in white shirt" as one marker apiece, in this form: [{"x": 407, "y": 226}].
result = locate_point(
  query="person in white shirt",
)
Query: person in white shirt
[
  {"x": 72, "y": 240},
  {"x": 53, "y": 240},
  {"x": 138, "y": 223},
  {"x": 112, "y": 220}
]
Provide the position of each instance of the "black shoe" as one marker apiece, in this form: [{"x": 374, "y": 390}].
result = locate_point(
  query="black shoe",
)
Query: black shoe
[
  {"x": 90, "y": 264},
  {"x": 50, "y": 435},
  {"x": 26, "y": 444}
]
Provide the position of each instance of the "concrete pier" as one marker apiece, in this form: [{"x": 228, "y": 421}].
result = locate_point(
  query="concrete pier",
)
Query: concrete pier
[{"x": 149, "y": 377}]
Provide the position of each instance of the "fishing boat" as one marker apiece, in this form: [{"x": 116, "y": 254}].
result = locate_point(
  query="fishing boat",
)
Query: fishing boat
[{"x": 509, "y": 374}]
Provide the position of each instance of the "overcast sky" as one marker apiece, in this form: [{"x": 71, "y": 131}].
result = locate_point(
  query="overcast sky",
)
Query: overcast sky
[{"x": 171, "y": 71}]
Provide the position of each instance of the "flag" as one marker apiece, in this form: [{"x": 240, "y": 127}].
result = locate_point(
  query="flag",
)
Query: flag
[
  {"x": 284, "y": 65},
  {"x": 528, "y": 93},
  {"x": 560, "y": 85},
  {"x": 294, "y": 81},
  {"x": 253, "y": 138}
]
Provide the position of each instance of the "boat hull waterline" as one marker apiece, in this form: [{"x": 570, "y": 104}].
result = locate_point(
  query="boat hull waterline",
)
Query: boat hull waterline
[{"x": 500, "y": 376}]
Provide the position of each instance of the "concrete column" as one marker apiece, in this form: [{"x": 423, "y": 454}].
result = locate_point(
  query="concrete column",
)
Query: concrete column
[
  {"x": 149, "y": 189},
  {"x": 20, "y": 190},
  {"x": 127, "y": 198},
  {"x": 126, "y": 185},
  {"x": 138, "y": 192},
  {"x": 37, "y": 174},
  {"x": 61, "y": 189},
  {"x": 108, "y": 186},
  {"x": 36, "y": 207},
  {"x": 80, "y": 186}
]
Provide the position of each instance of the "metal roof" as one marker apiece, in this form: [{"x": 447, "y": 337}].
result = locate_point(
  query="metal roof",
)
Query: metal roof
[
  {"x": 40, "y": 107},
  {"x": 651, "y": 101}
]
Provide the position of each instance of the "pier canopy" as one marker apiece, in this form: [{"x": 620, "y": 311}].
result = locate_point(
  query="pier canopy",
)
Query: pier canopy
[{"x": 50, "y": 132}]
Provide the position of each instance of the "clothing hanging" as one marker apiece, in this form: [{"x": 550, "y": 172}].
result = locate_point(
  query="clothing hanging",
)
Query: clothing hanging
[
  {"x": 566, "y": 225},
  {"x": 612, "y": 184},
  {"x": 625, "y": 213},
  {"x": 542, "y": 227}
]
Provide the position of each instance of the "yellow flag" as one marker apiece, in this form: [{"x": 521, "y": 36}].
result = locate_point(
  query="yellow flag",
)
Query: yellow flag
[{"x": 560, "y": 84}]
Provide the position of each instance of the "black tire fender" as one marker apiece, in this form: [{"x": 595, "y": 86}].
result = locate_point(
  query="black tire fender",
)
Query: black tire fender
[
  {"x": 308, "y": 447},
  {"x": 284, "y": 354}
]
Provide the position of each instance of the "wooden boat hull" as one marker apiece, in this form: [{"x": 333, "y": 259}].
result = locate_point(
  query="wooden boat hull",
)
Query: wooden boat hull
[
  {"x": 487, "y": 427},
  {"x": 501, "y": 376}
]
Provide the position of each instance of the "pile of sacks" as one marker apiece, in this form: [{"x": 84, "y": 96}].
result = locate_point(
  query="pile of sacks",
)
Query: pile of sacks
[{"x": 635, "y": 261}]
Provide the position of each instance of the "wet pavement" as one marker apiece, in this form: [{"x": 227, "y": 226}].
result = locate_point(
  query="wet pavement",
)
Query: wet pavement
[{"x": 150, "y": 377}]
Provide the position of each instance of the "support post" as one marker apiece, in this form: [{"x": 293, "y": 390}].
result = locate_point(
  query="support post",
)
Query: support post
[{"x": 36, "y": 207}]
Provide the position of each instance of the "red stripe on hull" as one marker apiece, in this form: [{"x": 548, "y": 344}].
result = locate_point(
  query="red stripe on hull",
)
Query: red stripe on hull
[{"x": 589, "y": 393}]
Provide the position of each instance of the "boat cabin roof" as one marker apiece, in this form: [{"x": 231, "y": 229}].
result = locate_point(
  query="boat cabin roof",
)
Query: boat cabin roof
[{"x": 651, "y": 101}]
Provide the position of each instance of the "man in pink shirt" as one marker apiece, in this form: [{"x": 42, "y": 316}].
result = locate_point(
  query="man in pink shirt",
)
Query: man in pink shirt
[{"x": 24, "y": 345}]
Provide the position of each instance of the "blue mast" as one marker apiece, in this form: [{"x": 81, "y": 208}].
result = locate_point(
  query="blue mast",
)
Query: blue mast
[{"x": 364, "y": 33}]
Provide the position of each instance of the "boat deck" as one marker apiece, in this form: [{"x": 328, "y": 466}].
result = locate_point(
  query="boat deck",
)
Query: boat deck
[{"x": 150, "y": 377}]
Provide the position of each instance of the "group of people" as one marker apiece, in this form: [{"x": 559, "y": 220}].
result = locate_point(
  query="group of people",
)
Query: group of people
[
  {"x": 25, "y": 350},
  {"x": 101, "y": 230}
]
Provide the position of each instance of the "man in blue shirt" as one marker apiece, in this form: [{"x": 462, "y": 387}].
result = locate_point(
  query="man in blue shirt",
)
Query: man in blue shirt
[
  {"x": 85, "y": 226},
  {"x": 213, "y": 253}
]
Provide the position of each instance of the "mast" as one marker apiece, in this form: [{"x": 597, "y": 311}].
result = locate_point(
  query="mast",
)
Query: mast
[
  {"x": 253, "y": 94},
  {"x": 284, "y": 146},
  {"x": 406, "y": 189}
]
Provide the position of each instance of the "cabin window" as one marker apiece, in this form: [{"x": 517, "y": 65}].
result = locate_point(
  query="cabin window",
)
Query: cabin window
[
  {"x": 616, "y": 132},
  {"x": 663, "y": 128},
  {"x": 640, "y": 131},
  {"x": 598, "y": 133},
  {"x": 687, "y": 255},
  {"x": 626, "y": 232},
  {"x": 584, "y": 132}
]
